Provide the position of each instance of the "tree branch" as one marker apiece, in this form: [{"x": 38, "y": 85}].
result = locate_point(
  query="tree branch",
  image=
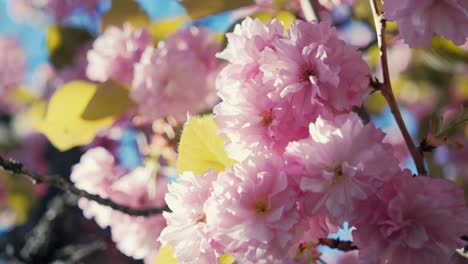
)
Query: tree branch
[
  {"x": 309, "y": 10},
  {"x": 387, "y": 91},
  {"x": 344, "y": 246},
  {"x": 15, "y": 167}
]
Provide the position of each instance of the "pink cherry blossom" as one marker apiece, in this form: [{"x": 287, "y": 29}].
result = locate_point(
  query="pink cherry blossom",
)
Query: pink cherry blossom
[
  {"x": 12, "y": 67},
  {"x": 253, "y": 122},
  {"x": 412, "y": 220},
  {"x": 98, "y": 173},
  {"x": 253, "y": 213},
  {"x": 314, "y": 64},
  {"x": 187, "y": 229},
  {"x": 137, "y": 236},
  {"x": 177, "y": 77},
  {"x": 419, "y": 20},
  {"x": 115, "y": 53},
  {"x": 343, "y": 161},
  {"x": 399, "y": 57},
  {"x": 394, "y": 137},
  {"x": 245, "y": 45},
  {"x": 31, "y": 152},
  {"x": 252, "y": 115},
  {"x": 62, "y": 9}
]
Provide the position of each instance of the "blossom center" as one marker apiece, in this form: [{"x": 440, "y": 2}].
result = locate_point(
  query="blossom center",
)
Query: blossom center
[
  {"x": 337, "y": 172},
  {"x": 201, "y": 219},
  {"x": 260, "y": 207},
  {"x": 306, "y": 74},
  {"x": 267, "y": 118}
]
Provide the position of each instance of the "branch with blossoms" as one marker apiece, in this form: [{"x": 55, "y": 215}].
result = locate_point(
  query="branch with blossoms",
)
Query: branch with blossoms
[
  {"x": 17, "y": 168},
  {"x": 387, "y": 91}
]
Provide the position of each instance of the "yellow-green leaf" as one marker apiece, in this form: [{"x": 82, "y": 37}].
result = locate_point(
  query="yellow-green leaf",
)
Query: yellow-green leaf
[
  {"x": 226, "y": 259},
  {"x": 123, "y": 11},
  {"x": 161, "y": 29},
  {"x": 165, "y": 256},
  {"x": 201, "y": 8},
  {"x": 201, "y": 148},
  {"x": 447, "y": 49},
  {"x": 78, "y": 110},
  {"x": 23, "y": 95},
  {"x": 110, "y": 99},
  {"x": 287, "y": 18},
  {"x": 63, "y": 43}
]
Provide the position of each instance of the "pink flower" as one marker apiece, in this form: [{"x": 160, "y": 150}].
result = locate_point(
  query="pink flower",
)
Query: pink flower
[
  {"x": 253, "y": 212},
  {"x": 412, "y": 220},
  {"x": 115, "y": 53},
  {"x": 342, "y": 162},
  {"x": 254, "y": 122},
  {"x": 137, "y": 236},
  {"x": 399, "y": 57},
  {"x": 12, "y": 67},
  {"x": 32, "y": 152},
  {"x": 315, "y": 65},
  {"x": 420, "y": 20},
  {"x": 178, "y": 76},
  {"x": 186, "y": 229},
  {"x": 394, "y": 137},
  {"x": 252, "y": 115},
  {"x": 63, "y": 9},
  {"x": 245, "y": 45},
  {"x": 97, "y": 173}
]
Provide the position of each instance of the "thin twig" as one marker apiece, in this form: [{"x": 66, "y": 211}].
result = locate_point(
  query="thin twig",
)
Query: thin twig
[
  {"x": 309, "y": 10},
  {"x": 338, "y": 244},
  {"x": 387, "y": 91},
  {"x": 17, "y": 168}
]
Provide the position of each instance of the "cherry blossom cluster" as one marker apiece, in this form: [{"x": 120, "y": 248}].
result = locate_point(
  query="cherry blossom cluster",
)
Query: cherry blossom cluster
[
  {"x": 175, "y": 78},
  {"x": 99, "y": 173},
  {"x": 12, "y": 67},
  {"x": 306, "y": 163},
  {"x": 419, "y": 20}
]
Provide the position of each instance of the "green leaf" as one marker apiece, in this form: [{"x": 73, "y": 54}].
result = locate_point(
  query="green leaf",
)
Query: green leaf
[
  {"x": 447, "y": 49},
  {"x": 226, "y": 259},
  {"x": 201, "y": 148},
  {"x": 202, "y": 8},
  {"x": 78, "y": 110},
  {"x": 166, "y": 256},
  {"x": 123, "y": 11},
  {"x": 64, "y": 43},
  {"x": 111, "y": 98},
  {"x": 287, "y": 18},
  {"x": 161, "y": 29}
]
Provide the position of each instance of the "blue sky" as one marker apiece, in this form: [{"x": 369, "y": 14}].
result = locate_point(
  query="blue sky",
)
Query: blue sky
[{"x": 31, "y": 37}]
